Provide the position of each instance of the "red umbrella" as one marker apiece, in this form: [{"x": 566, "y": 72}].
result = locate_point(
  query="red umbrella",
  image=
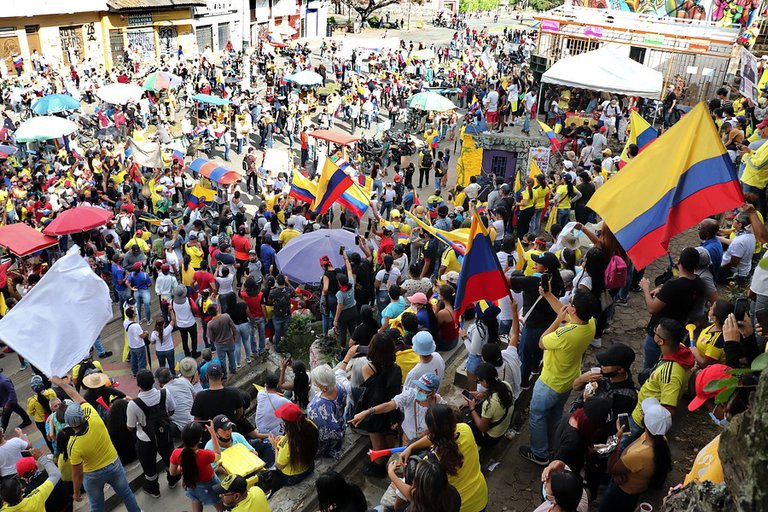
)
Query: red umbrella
[
  {"x": 77, "y": 220},
  {"x": 340, "y": 138},
  {"x": 22, "y": 240}
]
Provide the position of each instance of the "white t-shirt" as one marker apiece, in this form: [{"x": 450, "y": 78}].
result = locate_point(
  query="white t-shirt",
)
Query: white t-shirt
[
  {"x": 184, "y": 315},
  {"x": 582, "y": 279},
  {"x": 414, "y": 422},
  {"x": 134, "y": 331},
  {"x": 183, "y": 393},
  {"x": 135, "y": 416},
  {"x": 759, "y": 283},
  {"x": 266, "y": 405},
  {"x": 394, "y": 275},
  {"x": 742, "y": 246},
  {"x": 166, "y": 343},
  {"x": 10, "y": 453},
  {"x": 491, "y": 101},
  {"x": 436, "y": 365},
  {"x": 498, "y": 225}
]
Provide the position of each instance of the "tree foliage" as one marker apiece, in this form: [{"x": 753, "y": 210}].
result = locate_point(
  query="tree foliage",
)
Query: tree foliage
[
  {"x": 544, "y": 5},
  {"x": 365, "y": 8},
  {"x": 477, "y": 5}
]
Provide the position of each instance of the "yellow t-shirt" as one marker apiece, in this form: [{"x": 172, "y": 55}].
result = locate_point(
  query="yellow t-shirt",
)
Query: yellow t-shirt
[
  {"x": 187, "y": 276},
  {"x": 450, "y": 261},
  {"x": 529, "y": 196},
  {"x": 706, "y": 467},
  {"x": 494, "y": 411},
  {"x": 256, "y": 501},
  {"x": 530, "y": 268},
  {"x": 711, "y": 344},
  {"x": 469, "y": 480},
  {"x": 563, "y": 350},
  {"x": 540, "y": 197},
  {"x": 195, "y": 255},
  {"x": 284, "y": 459},
  {"x": 93, "y": 449},
  {"x": 35, "y": 408},
  {"x": 287, "y": 235},
  {"x": 34, "y": 501},
  {"x": 137, "y": 241},
  {"x": 666, "y": 384},
  {"x": 565, "y": 200}
]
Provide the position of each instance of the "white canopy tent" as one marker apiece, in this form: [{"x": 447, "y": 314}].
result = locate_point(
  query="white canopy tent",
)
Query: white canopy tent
[{"x": 606, "y": 69}]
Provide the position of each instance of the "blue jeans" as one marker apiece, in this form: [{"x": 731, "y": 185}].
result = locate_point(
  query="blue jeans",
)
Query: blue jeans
[
  {"x": 122, "y": 297},
  {"x": 563, "y": 216},
  {"x": 99, "y": 346},
  {"x": 244, "y": 338},
  {"x": 142, "y": 297},
  {"x": 529, "y": 351},
  {"x": 378, "y": 187},
  {"x": 527, "y": 122},
  {"x": 280, "y": 324},
  {"x": 535, "y": 221},
  {"x": 265, "y": 450},
  {"x": 651, "y": 352},
  {"x": 224, "y": 352},
  {"x": 258, "y": 324},
  {"x": 544, "y": 417},
  {"x": 226, "y": 152},
  {"x": 331, "y": 303},
  {"x": 166, "y": 358},
  {"x": 240, "y": 145},
  {"x": 114, "y": 475},
  {"x": 138, "y": 360},
  {"x": 386, "y": 206}
]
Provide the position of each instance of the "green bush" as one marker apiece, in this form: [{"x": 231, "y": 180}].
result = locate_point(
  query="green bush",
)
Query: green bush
[
  {"x": 332, "y": 21},
  {"x": 299, "y": 335},
  {"x": 374, "y": 22}
]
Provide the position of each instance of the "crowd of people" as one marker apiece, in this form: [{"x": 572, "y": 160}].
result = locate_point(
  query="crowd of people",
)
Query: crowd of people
[{"x": 599, "y": 435}]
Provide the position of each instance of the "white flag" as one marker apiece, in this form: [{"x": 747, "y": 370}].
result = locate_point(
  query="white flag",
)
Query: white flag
[
  {"x": 55, "y": 324},
  {"x": 146, "y": 154}
]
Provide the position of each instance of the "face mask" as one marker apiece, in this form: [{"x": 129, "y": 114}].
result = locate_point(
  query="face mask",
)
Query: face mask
[
  {"x": 722, "y": 423},
  {"x": 609, "y": 375},
  {"x": 544, "y": 492}
]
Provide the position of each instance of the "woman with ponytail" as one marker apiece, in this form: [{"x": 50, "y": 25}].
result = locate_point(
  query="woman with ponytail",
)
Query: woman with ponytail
[
  {"x": 194, "y": 464},
  {"x": 525, "y": 205}
]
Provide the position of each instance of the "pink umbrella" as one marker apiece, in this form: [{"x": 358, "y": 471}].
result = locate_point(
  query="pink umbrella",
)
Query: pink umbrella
[{"x": 77, "y": 220}]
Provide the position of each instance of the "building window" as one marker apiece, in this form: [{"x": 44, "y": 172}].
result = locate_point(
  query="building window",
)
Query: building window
[{"x": 499, "y": 165}]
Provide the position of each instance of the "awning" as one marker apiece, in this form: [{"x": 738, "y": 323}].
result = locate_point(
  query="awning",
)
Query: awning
[
  {"x": 340, "y": 138},
  {"x": 214, "y": 171},
  {"x": 23, "y": 240}
]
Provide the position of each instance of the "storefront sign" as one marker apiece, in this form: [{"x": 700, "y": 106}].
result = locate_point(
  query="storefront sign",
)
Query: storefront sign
[
  {"x": 593, "y": 31},
  {"x": 135, "y": 20},
  {"x": 550, "y": 26}
]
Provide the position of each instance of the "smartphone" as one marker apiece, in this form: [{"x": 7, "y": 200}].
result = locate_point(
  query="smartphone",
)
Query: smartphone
[
  {"x": 357, "y": 240},
  {"x": 545, "y": 282},
  {"x": 510, "y": 261},
  {"x": 740, "y": 309},
  {"x": 362, "y": 350},
  {"x": 370, "y": 224},
  {"x": 467, "y": 394},
  {"x": 342, "y": 250},
  {"x": 762, "y": 321},
  {"x": 367, "y": 234},
  {"x": 624, "y": 421}
]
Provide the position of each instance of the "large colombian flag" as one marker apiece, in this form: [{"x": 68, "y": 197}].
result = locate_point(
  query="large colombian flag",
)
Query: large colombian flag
[
  {"x": 302, "y": 188},
  {"x": 334, "y": 181},
  {"x": 682, "y": 178},
  {"x": 356, "y": 199},
  {"x": 640, "y": 133},
  {"x": 481, "y": 277},
  {"x": 199, "y": 196},
  {"x": 550, "y": 135}
]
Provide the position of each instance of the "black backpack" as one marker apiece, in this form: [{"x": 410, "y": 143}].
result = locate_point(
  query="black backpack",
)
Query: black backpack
[
  {"x": 282, "y": 302},
  {"x": 157, "y": 424}
]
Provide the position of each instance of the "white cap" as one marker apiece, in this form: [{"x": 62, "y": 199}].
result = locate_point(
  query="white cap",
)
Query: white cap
[
  {"x": 657, "y": 418},
  {"x": 568, "y": 164}
]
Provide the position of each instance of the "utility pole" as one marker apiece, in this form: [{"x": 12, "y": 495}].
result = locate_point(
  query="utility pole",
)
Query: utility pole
[{"x": 410, "y": 2}]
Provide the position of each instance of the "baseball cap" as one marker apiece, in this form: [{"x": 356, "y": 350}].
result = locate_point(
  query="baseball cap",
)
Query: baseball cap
[
  {"x": 231, "y": 483},
  {"x": 617, "y": 355},
  {"x": 325, "y": 260},
  {"x": 26, "y": 465},
  {"x": 395, "y": 213},
  {"x": 762, "y": 124},
  {"x": 252, "y": 251},
  {"x": 288, "y": 412},
  {"x": 214, "y": 240},
  {"x": 426, "y": 384},
  {"x": 222, "y": 421},
  {"x": 656, "y": 417},
  {"x": 547, "y": 259},
  {"x": 423, "y": 343},
  {"x": 418, "y": 298},
  {"x": 568, "y": 164},
  {"x": 179, "y": 294},
  {"x": 193, "y": 236},
  {"x": 214, "y": 369},
  {"x": 710, "y": 373},
  {"x": 607, "y": 151},
  {"x": 390, "y": 228},
  {"x": 165, "y": 267},
  {"x": 74, "y": 416},
  {"x": 187, "y": 367},
  {"x": 485, "y": 309},
  {"x": 137, "y": 266},
  {"x": 451, "y": 277}
]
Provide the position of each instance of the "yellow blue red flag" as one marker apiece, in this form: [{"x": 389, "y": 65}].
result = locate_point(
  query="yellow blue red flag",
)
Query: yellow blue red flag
[
  {"x": 302, "y": 189},
  {"x": 553, "y": 140},
  {"x": 641, "y": 133},
  {"x": 334, "y": 181},
  {"x": 682, "y": 178}
]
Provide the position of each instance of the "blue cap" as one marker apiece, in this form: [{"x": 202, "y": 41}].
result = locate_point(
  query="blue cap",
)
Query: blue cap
[
  {"x": 427, "y": 383},
  {"x": 423, "y": 343},
  {"x": 73, "y": 415}
]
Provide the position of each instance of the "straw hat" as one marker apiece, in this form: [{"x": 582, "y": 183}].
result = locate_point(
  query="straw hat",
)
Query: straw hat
[{"x": 95, "y": 380}]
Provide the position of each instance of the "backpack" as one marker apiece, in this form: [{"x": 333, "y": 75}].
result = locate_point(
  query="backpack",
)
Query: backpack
[
  {"x": 157, "y": 424},
  {"x": 616, "y": 273},
  {"x": 282, "y": 302}
]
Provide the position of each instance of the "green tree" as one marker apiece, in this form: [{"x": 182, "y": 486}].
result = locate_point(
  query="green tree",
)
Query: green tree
[
  {"x": 544, "y": 5},
  {"x": 367, "y": 7}
]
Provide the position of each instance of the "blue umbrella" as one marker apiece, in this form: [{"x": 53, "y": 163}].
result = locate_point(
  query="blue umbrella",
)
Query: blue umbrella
[
  {"x": 213, "y": 100},
  {"x": 299, "y": 260},
  {"x": 54, "y": 103}
]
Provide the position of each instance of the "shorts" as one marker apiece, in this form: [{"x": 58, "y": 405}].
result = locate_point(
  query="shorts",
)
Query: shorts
[
  {"x": 203, "y": 493},
  {"x": 473, "y": 361},
  {"x": 491, "y": 117}
]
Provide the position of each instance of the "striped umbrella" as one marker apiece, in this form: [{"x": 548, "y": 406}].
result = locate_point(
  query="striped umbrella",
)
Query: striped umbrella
[
  {"x": 160, "y": 80},
  {"x": 214, "y": 171}
]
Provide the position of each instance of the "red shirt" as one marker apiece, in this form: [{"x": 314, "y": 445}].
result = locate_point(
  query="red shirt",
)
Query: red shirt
[
  {"x": 304, "y": 138},
  {"x": 212, "y": 254},
  {"x": 386, "y": 246},
  {"x": 204, "y": 460},
  {"x": 204, "y": 280},
  {"x": 253, "y": 303},
  {"x": 242, "y": 245}
]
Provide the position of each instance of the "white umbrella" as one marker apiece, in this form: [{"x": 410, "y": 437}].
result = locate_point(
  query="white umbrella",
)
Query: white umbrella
[
  {"x": 44, "y": 128},
  {"x": 430, "y": 101},
  {"x": 284, "y": 29},
  {"x": 305, "y": 77},
  {"x": 425, "y": 54},
  {"x": 120, "y": 94}
]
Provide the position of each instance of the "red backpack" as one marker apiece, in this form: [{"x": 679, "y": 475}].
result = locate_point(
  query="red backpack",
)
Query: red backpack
[{"x": 616, "y": 273}]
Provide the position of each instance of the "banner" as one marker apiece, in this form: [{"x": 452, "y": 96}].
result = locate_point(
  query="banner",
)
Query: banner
[
  {"x": 470, "y": 160},
  {"x": 541, "y": 157},
  {"x": 146, "y": 154},
  {"x": 749, "y": 78}
]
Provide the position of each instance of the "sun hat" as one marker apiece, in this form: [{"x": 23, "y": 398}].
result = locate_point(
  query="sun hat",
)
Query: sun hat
[{"x": 423, "y": 343}]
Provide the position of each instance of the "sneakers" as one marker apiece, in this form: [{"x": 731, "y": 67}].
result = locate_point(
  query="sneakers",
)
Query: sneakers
[
  {"x": 105, "y": 354},
  {"x": 239, "y": 365},
  {"x": 526, "y": 453},
  {"x": 247, "y": 360},
  {"x": 596, "y": 343},
  {"x": 24, "y": 365},
  {"x": 622, "y": 302},
  {"x": 173, "y": 480}
]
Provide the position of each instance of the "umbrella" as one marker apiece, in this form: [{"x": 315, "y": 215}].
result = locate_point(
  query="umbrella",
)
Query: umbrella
[
  {"x": 77, "y": 220},
  {"x": 214, "y": 171},
  {"x": 108, "y": 133},
  {"x": 305, "y": 77},
  {"x": 299, "y": 260},
  {"x": 430, "y": 101},
  {"x": 120, "y": 94},
  {"x": 44, "y": 128},
  {"x": 6, "y": 151},
  {"x": 425, "y": 54},
  {"x": 341, "y": 138},
  {"x": 22, "y": 239},
  {"x": 161, "y": 80},
  {"x": 54, "y": 103},
  {"x": 212, "y": 100},
  {"x": 284, "y": 30}
]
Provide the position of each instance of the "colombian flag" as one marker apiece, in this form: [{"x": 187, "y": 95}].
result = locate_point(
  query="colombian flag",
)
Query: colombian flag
[
  {"x": 450, "y": 238},
  {"x": 365, "y": 181},
  {"x": 334, "y": 181},
  {"x": 77, "y": 154},
  {"x": 550, "y": 135},
  {"x": 302, "y": 189},
  {"x": 177, "y": 156},
  {"x": 481, "y": 277},
  {"x": 355, "y": 198},
  {"x": 682, "y": 178},
  {"x": 199, "y": 196},
  {"x": 640, "y": 133}
]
